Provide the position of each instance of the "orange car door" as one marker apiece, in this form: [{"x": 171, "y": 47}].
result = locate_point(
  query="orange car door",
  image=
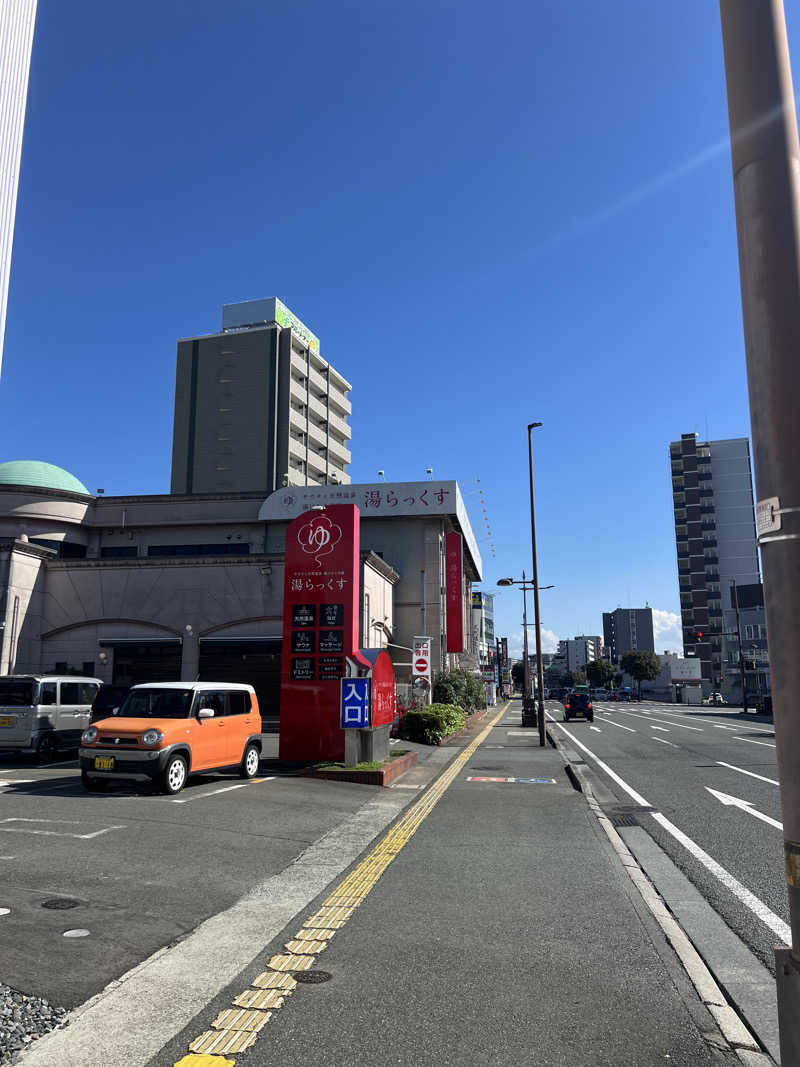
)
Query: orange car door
[
  {"x": 240, "y": 723},
  {"x": 207, "y": 735}
]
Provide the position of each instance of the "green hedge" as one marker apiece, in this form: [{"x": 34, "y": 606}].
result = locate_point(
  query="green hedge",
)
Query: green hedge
[
  {"x": 460, "y": 687},
  {"x": 430, "y": 724}
]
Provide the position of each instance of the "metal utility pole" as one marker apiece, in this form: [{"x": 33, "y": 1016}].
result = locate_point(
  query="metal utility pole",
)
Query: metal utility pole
[
  {"x": 766, "y": 168},
  {"x": 526, "y": 685},
  {"x": 536, "y": 616},
  {"x": 742, "y": 667}
]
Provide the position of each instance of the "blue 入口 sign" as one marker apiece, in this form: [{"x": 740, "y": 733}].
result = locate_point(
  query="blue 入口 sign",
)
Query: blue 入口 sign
[{"x": 355, "y": 703}]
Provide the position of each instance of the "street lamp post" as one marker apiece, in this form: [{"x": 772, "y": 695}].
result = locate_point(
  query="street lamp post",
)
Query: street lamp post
[
  {"x": 536, "y": 615},
  {"x": 526, "y": 682},
  {"x": 526, "y": 585}
]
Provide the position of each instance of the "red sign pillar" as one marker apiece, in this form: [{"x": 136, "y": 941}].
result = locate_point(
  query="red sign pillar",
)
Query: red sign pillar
[
  {"x": 454, "y": 561},
  {"x": 321, "y": 598}
]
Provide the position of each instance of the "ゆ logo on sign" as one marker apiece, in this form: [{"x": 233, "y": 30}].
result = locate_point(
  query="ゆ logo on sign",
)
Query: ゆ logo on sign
[{"x": 319, "y": 537}]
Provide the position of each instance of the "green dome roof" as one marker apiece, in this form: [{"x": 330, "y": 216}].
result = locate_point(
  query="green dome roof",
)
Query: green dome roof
[{"x": 42, "y": 475}]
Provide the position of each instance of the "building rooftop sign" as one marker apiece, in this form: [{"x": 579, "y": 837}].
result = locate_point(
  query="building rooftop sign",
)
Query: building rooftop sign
[
  {"x": 377, "y": 500},
  {"x": 258, "y": 312}
]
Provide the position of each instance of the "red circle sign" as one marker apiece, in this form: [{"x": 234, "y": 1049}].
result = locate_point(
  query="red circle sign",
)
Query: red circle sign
[{"x": 421, "y": 665}]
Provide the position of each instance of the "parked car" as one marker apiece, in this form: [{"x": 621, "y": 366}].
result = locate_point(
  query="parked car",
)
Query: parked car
[
  {"x": 44, "y": 713},
  {"x": 165, "y": 731},
  {"x": 600, "y": 694},
  {"x": 578, "y": 704},
  {"x": 108, "y": 701}
]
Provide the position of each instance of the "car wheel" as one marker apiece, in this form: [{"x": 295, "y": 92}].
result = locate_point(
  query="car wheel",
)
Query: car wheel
[
  {"x": 249, "y": 764},
  {"x": 175, "y": 775},
  {"x": 46, "y": 749},
  {"x": 591, "y": 718},
  {"x": 566, "y": 717},
  {"x": 92, "y": 785}
]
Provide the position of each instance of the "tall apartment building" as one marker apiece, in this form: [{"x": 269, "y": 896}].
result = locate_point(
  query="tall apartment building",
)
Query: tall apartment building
[
  {"x": 715, "y": 536},
  {"x": 17, "y": 18},
  {"x": 257, "y": 407},
  {"x": 579, "y": 651},
  {"x": 626, "y": 630}
]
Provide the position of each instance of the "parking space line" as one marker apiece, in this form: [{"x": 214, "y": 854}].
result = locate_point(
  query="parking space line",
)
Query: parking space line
[
  {"x": 53, "y": 833},
  {"x": 225, "y": 789}
]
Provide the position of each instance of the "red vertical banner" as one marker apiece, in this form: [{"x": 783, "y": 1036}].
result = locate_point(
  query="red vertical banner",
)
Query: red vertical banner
[
  {"x": 454, "y": 567},
  {"x": 321, "y": 598}
]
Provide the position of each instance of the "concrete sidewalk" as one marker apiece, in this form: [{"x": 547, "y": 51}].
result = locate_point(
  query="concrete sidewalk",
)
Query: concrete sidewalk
[{"x": 499, "y": 926}]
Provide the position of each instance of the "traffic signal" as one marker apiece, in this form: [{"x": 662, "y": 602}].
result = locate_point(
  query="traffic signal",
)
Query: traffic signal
[{"x": 698, "y": 635}]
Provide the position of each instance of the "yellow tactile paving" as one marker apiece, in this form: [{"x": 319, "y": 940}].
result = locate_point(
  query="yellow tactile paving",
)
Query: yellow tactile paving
[
  {"x": 291, "y": 962},
  {"x": 261, "y": 998},
  {"x": 306, "y": 948},
  {"x": 272, "y": 985},
  {"x": 223, "y": 1041},
  {"x": 314, "y": 934},
  {"x": 203, "y": 1060},
  {"x": 273, "y": 980},
  {"x": 249, "y": 1021}
]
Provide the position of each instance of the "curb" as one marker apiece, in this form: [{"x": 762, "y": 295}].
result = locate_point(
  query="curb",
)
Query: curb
[
  {"x": 382, "y": 777},
  {"x": 730, "y": 1024}
]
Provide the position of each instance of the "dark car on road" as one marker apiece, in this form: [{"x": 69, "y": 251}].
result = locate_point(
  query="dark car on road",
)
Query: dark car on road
[{"x": 578, "y": 704}]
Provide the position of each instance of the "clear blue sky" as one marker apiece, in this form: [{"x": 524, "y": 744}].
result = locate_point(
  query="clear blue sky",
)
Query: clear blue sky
[{"x": 489, "y": 214}]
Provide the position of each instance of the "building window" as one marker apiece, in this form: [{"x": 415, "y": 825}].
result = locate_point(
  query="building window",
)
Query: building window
[
  {"x": 232, "y": 549},
  {"x": 119, "y": 552}
]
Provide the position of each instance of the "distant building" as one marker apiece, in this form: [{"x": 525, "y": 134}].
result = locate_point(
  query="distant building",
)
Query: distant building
[
  {"x": 715, "y": 536},
  {"x": 257, "y": 408},
  {"x": 482, "y": 625},
  {"x": 628, "y": 630},
  {"x": 17, "y": 18},
  {"x": 679, "y": 682},
  {"x": 579, "y": 651}
]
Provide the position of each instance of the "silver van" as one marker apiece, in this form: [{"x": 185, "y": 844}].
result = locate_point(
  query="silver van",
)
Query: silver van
[{"x": 42, "y": 713}]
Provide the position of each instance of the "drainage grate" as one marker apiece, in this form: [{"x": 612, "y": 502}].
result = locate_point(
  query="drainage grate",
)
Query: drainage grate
[
  {"x": 624, "y": 820},
  {"x": 312, "y": 977},
  {"x": 61, "y": 903}
]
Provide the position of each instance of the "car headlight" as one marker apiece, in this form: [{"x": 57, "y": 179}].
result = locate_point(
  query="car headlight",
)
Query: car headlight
[
  {"x": 88, "y": 737},
  {"x": 152, "y": 737}
]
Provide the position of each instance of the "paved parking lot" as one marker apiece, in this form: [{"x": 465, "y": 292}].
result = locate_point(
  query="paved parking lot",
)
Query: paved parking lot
[{"x": 138, "y": 869}]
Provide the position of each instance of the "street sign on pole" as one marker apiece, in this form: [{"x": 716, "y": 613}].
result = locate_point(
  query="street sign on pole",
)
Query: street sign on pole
[
  {"x": 421, "y": 657},
  {"x": 355, "y": 703}
]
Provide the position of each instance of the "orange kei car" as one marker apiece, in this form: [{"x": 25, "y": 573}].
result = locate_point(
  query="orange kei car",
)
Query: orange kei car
[{"x": 165, "y": 731}]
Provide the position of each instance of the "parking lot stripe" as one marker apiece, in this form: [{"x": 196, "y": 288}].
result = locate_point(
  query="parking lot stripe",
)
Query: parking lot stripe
[
  {"x": 225, "y": 789},
  {"x": 352, "y": 890}
]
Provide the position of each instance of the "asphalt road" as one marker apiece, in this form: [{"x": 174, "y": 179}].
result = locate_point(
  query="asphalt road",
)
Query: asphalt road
[
  {"x": 728, "y": 842},
  {"x": 142, "y": 869}
]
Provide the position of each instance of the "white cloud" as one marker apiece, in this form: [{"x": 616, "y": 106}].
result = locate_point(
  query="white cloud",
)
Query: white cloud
[
  {"x": 667, "y": 632},
  {"x": 549, "y": 642}
]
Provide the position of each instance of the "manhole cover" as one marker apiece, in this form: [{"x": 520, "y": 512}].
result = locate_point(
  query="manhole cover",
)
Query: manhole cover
[
  {"x": 61, "y": 903},
  {"x": 311, "y": 977}
]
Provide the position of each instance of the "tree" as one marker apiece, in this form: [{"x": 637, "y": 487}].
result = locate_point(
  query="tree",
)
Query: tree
[
  {"x": 518, "y": 674},
  {"x": 642, "y": 666},
  {"x": 600, "y": 673},
  {"x": 567, "y": 679},
  {"x": 580, "y": 677},
  {"x": 618, "y": 679}
]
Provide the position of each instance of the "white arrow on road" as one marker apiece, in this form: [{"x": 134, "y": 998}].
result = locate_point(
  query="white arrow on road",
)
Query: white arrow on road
[
  {"x": 745, "y": 805},
  {"x": 596, "y": 729}
]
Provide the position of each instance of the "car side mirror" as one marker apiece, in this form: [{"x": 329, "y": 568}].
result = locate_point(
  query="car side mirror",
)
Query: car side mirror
[{"x": 205, "y": 713}]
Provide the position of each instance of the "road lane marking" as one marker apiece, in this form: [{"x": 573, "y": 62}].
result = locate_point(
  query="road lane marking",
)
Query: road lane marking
[
  {"x": 750, "y": 741},
  {"x": 53, "y": 833},
  {"x": 612, "y": 774},
  {"x": 663, "y": 742},
  {"x": 337, "y": 908},
  {"x": 752, "y": 774},
  {"x": 668, "y": 723},
  {"x": 225, "y": 789},
  {"x": 596, "y": 729},
  {"x": 663, "y": 729},
  {"x": 745, "y": 805},
  {"x": 611, "y": 722},
  {"x": 749, "y": 899}
]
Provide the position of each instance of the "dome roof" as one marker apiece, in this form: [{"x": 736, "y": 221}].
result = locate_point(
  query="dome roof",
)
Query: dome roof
[{"x": 42, "y": 475}]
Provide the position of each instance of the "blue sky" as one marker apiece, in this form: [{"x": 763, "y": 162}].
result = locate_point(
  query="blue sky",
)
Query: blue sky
[{"x": 489, "y": 214}]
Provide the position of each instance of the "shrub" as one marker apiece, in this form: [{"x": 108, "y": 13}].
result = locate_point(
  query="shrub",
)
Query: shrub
[
  {"x": 460, "y": 687},
  {"x": 429, "y": 725}
]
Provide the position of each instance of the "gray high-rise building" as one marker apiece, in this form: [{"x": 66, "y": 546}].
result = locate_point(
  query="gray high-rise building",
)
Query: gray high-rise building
[
  {"x": 257, "y": 407},
  {"x": 715, "y": 535},
  {"x": 627, "y": 630},
  {"x": 17, "y": 18}
]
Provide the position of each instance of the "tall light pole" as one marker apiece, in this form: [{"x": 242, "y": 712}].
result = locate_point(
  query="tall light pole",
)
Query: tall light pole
[
  {"x": 536, "y": 616},
  {"x": 526, "y": 683},
  {"x": 526, "y": 585},
  {"x": 766, "y": 161}
]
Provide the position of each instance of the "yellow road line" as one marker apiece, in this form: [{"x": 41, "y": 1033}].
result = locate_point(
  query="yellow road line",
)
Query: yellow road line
[{"x": 331, "y": 916}]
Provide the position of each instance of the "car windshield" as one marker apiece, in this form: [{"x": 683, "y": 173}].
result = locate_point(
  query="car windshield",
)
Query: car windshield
[
  {"x": 157, "y": 704},
  {"x": 17, "y": 694}
]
